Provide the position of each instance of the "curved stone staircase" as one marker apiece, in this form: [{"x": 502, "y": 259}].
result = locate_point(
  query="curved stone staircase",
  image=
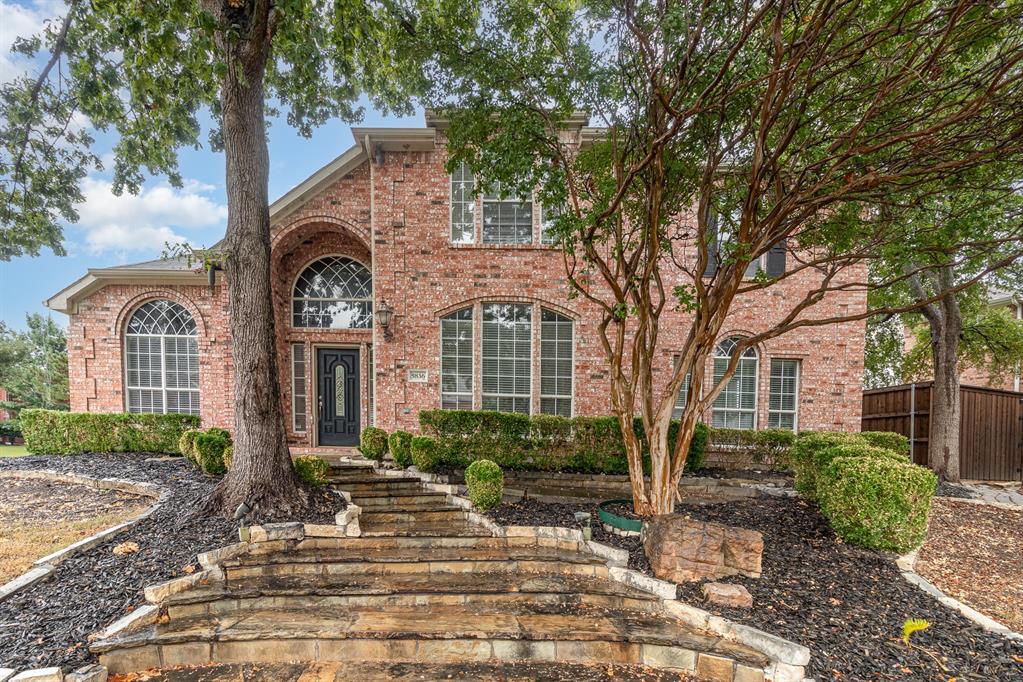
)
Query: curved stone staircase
[{"x": 423, "y": 586}]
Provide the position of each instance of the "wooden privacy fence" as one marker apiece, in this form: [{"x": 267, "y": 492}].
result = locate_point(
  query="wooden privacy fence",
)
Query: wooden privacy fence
[{"x": 990, "y": 434}]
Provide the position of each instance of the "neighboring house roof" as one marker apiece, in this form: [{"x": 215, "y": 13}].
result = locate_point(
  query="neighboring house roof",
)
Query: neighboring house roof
[{"x": 1003, "y": 297}]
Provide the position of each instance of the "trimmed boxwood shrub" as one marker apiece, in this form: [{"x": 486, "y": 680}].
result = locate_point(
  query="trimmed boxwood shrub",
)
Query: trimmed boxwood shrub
[
  {"x": 889, "y": 440},
  {"x": 426, "y": 453},
  {"x": 485, "y": 482},
  {"x": 513, "y": 441},
  {"x": 186, "y": 445},
  {"x": 209, "y": 450},
  {"x": 877, "y": 502},
  {"x": 400, "y": 445},
  {"x": 311, "y": 470},
  {"x": 51, "y": 432},
  {"x": 373, "y": 443},
  {"x": 804, "y": 451}
]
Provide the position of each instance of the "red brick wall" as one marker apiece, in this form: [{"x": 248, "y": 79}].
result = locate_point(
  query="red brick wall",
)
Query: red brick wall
[{"x": 405, "y": 238}]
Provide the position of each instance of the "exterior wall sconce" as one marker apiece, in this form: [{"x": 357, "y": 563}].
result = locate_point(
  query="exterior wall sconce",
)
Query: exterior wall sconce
[{"x": 385, "y": 315}]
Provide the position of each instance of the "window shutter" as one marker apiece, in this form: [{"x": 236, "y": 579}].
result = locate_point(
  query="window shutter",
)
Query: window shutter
[
  {"x": 776, "y": 259},
  {"x": 712, "y": 244}
]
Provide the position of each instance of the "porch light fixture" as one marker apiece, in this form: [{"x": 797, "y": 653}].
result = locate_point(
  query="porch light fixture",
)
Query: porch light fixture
[{"x": 385, "y": 315}]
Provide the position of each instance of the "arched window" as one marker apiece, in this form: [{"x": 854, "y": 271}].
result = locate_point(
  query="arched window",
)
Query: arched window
[
  {"x": 162, "y": 359},
  {"x": 736, "y": 406},
  {"x": 334, "y": 292}
]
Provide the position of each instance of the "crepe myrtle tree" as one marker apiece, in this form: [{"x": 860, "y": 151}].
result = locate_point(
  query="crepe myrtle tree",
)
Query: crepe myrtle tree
[
  {"x": 146, "y": 72},
  {"x": 723, "y": 132},
  {"x": 969, "y": 231}
]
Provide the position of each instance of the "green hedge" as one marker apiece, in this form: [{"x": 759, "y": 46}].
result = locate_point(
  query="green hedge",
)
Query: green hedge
[
  {"x": 10, "y": 429},
  {"x": 400, "y": 445},
  {"x": 210, "y": 447},
  {"x": 50, "y": 432},
  {"x": 540, "y": 442},
  {"x": 764, "y": 446},
  {"x": 485, "y": 483},
  {"x": 814, "y": 450},
  {"x": 877, "y": 502},
  {"x": 888, "y": 440},
  {"x": 373, "y": 443}
]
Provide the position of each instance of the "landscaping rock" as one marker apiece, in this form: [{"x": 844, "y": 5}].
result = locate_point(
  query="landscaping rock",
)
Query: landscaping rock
[
  {"x": 682, "y": 549},
  {"x": 40, "y": 675},
  {"x": 724, "y": 594}
]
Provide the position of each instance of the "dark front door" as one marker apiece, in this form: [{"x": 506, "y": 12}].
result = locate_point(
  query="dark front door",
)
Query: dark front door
[{"x": 337, "y": 376}]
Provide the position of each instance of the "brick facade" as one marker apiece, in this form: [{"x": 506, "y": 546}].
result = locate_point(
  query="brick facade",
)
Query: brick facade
[{"x": 392, "y": 214}]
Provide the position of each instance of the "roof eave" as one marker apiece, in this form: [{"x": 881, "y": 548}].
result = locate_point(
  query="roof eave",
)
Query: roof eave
[{"x": 67, "y": 299}]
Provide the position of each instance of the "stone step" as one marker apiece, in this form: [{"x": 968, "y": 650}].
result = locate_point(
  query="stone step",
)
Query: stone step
[
  {"x": 409, "y": 516},
  {"x": 419, "y": 588},
  {"x": 384, "y": 484},
  {"x": 387, "y": 671},
  {"x": 425, "y": 530},
  {"x": 442, "y": 634},
  {"x": 398, "y": 499},
  {"x": 327, "y": 551}
]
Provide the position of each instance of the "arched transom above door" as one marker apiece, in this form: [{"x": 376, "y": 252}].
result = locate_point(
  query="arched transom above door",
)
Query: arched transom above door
[{"x": 333, "y": 292}]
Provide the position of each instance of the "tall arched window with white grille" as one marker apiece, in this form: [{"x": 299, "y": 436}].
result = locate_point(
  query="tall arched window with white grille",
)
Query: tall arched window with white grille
[
  {"x": 334, "y": 292},
  {"x": 161, "y": 359},
  {"x": 736, "y": 406}
]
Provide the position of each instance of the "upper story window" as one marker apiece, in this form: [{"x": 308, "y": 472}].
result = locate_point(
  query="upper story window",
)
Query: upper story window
[
  {"x": 722, "y": 236},
  {"x": 463, "y": 206},
  {"x": 334, "y": 292},
  {"x": 547, "y": 216},
  {"x": 503, "y": 217},
  {"x": 736, "y": 406},
  {"x": 507, "y": 219},
  {"x": 161, "y": 359}
]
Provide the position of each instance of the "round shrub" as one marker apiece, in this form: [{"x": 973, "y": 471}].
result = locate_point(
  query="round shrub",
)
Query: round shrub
[
  {"x": 186, "y": 445},
  {"x": 373, "y": 443},
  {"x": 426, "y": 454},
  {"x": 311, "y": 470},
  {"x": 400, "y": 445},
  {"x": 877, "y": 502},
  {"x": 485, "y": 482},
  {"x": 804, "y": 452},
  {"x": 209, "y": 450},
  {"x": 826, "y": 455},
  {"x": 888, "y": 440}
]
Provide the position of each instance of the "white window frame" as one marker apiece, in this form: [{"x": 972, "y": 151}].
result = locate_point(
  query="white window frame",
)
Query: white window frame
[
  {"x": 462, "y": 168},
  {"x": 298, "y": 350},
  {"x": 495, "y": 198},
  {"x": 545, "y": 221},
  {"x": 362, "y": 299},
  {"x": 795, "y": 397},
  {"x": 162, "y": 389},
  {"x": 683, "y": 391},
  {"x": 472, "y": 357},
  {"x": 571, "y": 360},
  {"x": 756, "y": 386},
  {"x": 528, "y": 395}
]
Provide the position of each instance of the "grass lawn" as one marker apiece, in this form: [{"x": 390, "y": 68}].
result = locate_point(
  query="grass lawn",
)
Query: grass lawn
[{"x": 13, "y": 451}]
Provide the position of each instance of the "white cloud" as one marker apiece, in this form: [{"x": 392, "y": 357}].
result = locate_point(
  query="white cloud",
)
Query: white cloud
[
  {"x": 23, "y": 21},
  {"x": 146, "y": 222}
]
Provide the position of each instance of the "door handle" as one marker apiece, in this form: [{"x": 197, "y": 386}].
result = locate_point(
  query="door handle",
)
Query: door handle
[{"x": 319, "y": 407}]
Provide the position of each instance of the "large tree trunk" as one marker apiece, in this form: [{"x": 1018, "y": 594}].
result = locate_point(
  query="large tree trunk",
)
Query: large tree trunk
[
  {"x": 943, "y": 446},
  {"x": 261, "y": 475}
]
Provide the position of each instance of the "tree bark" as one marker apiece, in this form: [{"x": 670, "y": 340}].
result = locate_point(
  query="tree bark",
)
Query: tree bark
[
  {"x": 943, "y": 446},
  {"x": 261, "y": 475}
]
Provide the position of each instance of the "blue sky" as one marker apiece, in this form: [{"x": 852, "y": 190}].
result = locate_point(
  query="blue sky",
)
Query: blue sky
[{"x": 114, "y": 230}]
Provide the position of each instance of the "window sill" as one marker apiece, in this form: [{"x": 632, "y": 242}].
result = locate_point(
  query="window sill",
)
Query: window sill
[{"x": 503, "y": 247}]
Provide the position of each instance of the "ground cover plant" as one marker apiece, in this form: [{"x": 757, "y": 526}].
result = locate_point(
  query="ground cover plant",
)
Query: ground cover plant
[{"x": 311, "y": 470}]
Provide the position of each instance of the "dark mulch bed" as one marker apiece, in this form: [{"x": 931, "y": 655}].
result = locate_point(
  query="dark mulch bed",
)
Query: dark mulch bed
[
  {"x": 48, "y": 624},
  {"x": 846, "y": 604}
]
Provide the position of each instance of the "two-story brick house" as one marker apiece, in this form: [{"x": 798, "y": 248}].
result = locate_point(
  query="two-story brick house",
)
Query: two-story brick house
[{"x": 481, "y": 316}]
